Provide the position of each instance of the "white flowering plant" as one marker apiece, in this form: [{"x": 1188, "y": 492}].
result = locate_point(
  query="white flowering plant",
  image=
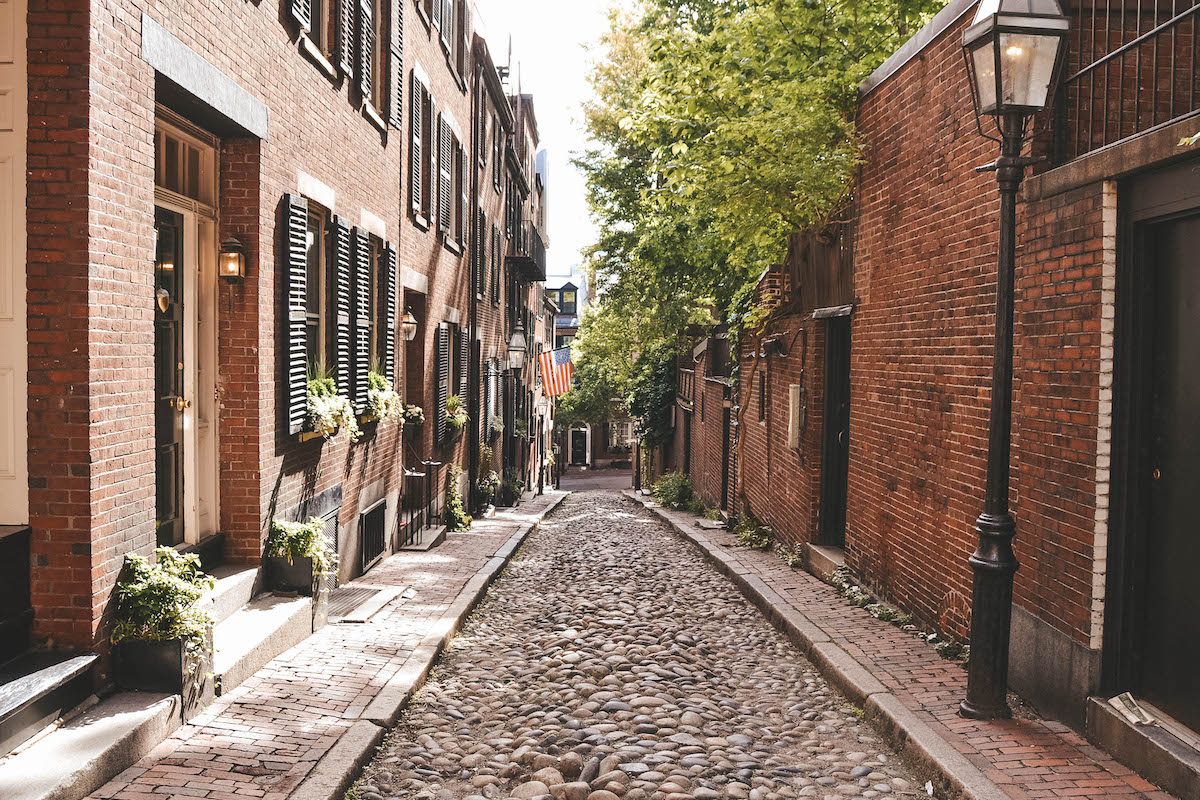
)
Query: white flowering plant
[
  {"x": 382, "y": 400},
  {"x": 328, "y": 411},
  {"x": 496, "y": 424},
  {"x": 414, "y": 414}
]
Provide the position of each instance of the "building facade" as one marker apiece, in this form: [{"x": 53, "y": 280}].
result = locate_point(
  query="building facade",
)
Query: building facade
[
  {"x": 154, "y": 390},
  {"x": 861, "y": 412}
]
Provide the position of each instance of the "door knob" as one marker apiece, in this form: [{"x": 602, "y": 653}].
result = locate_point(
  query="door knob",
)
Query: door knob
[
  {"x": 1156, "y": 474},
  {"x": 181, "y": 404}
]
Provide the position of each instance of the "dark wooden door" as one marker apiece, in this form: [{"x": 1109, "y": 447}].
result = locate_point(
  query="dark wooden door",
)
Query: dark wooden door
[
  {"x": 578, "y": 447},
  {"x": 1170, "y": 663},
  {"x": 835, "y": 445},
  {"x": 168, "y": 375}
]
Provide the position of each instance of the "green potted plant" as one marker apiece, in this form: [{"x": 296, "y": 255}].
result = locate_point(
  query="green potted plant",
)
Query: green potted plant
[
  {"x": 495, "y": 425},
  {"x": 297, "y": 554},
  {"x": 382, "y": 400},
  {"x": 328, "y": 411},
  {"x": 456, "y": 413},
  {"x": 414, "y": 415},
  {"x": 489, "y": 480},
  {"x": 511, "y": 487},
  {"x": 162, "y": 642},
  {"x": 521, "y": 428}
]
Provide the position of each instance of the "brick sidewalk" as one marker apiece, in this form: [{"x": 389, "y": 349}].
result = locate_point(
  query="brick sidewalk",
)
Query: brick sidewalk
[
  {"x": 1026, "y": 758},
  {"x": 263, "y": 738}
]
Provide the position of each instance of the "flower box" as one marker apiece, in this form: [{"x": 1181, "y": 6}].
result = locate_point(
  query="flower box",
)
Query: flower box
[{"x": 167, "y": 666}]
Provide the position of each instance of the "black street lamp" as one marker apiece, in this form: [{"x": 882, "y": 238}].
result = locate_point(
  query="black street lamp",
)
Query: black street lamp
[{"x": 1013, "y": 51}]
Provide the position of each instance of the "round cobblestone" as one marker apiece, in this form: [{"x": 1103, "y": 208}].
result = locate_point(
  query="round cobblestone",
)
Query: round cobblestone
[{"x": 611, "y": 661}]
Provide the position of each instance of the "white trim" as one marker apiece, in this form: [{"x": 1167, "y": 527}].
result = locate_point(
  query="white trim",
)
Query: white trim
[
  {"x": 451, "y": 314},
  {"x": 452, "y": 123},
  {"x": 14, "y": 337},
  {"x": 422, "y": 75},
  {"x": 1108, "y": 304},
  {"x": 316, "y": 190},
  {"x": 372, "y": 224}
]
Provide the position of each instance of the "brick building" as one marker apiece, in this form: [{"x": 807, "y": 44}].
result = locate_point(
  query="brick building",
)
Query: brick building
[
  {"x": 148, "y": 397},
  {"x": 861, "y": 420}
]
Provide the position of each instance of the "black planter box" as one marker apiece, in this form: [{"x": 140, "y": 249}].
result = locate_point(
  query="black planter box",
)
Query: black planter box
[
  {"x": 166, "y": 667},
  {"x": 281, "y": 576}
]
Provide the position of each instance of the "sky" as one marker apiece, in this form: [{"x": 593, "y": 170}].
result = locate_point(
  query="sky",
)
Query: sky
[{"x": 549, "y": 42}]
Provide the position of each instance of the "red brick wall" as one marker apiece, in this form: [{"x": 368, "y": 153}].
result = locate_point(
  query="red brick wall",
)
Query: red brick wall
[
  {"x": 921, "y": 347},
  {"x": 777, "y": 484}
]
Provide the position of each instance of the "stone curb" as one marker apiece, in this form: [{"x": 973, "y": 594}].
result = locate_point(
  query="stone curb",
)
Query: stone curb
[
  {"x": 912, "y": 737},
  {"x": 337, "y": 769}
]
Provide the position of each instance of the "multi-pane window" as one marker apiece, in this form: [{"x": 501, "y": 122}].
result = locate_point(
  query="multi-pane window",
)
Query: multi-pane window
[
  {"x": 458, "y": 220},
  {"x": 322, "y": 32},
  {"x": 568, "y": 302},
  {"x": 762, "y": 397},
  {"x": 317, "y": 300},
  {"x": 377, "y": 301},
  {"x": 496, "y": 255},
  {"x": 378, "y": 55}
]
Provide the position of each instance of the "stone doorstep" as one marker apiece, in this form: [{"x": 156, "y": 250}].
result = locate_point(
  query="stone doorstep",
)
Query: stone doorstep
[
  {"x": 1152, "y": 751},
  {"x": 910, "y": 736},
  {"x": 84, "y": 754},
  {"x": 237, "y": 585},
  {"x": 265, "y": 627},
  {"x": 431, "y": 539},
  {"x": 824, "y": 559}
]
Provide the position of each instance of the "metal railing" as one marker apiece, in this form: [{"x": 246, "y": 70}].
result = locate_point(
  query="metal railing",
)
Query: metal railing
[
  {"x": 529, "y": 251},
  {"x": 1131, "y": 68}
]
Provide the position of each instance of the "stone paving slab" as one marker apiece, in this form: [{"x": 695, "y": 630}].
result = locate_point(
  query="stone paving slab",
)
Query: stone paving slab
[
  {"x": 268, "y": 739},
  {"x": 918, "y": 707}
]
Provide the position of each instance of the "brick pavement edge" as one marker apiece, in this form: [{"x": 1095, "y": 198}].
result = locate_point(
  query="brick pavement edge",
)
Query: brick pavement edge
[
  {"x": 932, "y": 756},
  {"x": 339, "y": 766}
]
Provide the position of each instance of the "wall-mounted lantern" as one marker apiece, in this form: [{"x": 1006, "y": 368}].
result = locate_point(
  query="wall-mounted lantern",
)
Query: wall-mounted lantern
[
  {"x": 516, "y": 348},
  {"x": 408, "y": 325},
  {"x": 232, "y": 263}
]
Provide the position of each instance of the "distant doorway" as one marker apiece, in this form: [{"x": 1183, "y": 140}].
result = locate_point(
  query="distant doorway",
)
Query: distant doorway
[
  {"x": 835, "y": 440},
  {"x": 578, "y": 447}
]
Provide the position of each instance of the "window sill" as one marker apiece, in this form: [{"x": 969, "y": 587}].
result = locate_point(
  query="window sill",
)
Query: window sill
[
  {"x": 314, "y": 54},
  {"x": 420, "y": 220},
  {"x": 370, "y": 113},
  {"x": 308, "y": 436},
  {"x": 453, "y": 246}
]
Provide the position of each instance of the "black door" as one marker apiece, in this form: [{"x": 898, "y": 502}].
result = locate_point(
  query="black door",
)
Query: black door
[
  {"x": 687, "y": 443},
  {"x": 835, "y": 445},
  {"x": 1170, "y": 675},
  {"x": 578, "y": 447},
  {"x": 168, "y": 375}
]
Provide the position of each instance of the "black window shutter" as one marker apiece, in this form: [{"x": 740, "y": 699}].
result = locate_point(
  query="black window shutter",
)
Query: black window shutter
[
  {"x": 495, "y": 265},
  {"x": 297, "y": 320},
  {"x": 442, "y": 390},
  {"x": 345, "y": 36},
  {"x": 464, "y": 205},
  {"x": 362, "y": 319},
  {"x": 343, "y": 280},
  {"x": 464, "y": 358},
  {"x": 301, "y": 12},
  {"x": 390, "y": 279},
  {"x": 366, "y": 47},
  {"x": 447, "y": 26},
  {"x": 445, "y": 187},
  {"x": 480, "y": 251},
  {"x": 396, "y": 65},
  {"x": 437, "y": 14},
  {"x": 415, "y": 162}
]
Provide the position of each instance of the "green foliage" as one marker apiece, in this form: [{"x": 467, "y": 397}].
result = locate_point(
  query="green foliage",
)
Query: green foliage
[
  {"x": 456, "y": 412},
  {"x": 792, "y": 554},
  {"x": 602, "y": 358},
  {"x": 652, "y": 394},
  {"x": 292, "y": 540},
  {"x": 674, "y": 490},
  {"x": 457, "y": 518},
  {"x": 157, "y": 602},
  {"x": 512, "y": 485},
  {"x": 719, "y": 126},
  {"x": 752, "y": 533}
]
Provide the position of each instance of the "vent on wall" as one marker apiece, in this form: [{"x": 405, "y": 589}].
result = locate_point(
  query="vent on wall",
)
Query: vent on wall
[{"x": 372, "y": 534}]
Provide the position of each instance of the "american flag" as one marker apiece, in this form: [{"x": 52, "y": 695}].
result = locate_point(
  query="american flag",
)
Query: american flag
[{"x": 557, "y": 371}]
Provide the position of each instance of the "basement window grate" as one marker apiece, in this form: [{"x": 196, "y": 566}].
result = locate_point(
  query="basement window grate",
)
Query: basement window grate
[{"x": 372, "y": 534}]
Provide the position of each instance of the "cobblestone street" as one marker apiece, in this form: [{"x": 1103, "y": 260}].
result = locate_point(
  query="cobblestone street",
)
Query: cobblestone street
[{"x": 610, "y": 660}]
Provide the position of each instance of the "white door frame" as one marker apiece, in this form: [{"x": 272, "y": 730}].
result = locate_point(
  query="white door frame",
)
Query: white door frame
[
  {"x": 201, "y": 487},
  {"x": 14, "y": 344}
]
